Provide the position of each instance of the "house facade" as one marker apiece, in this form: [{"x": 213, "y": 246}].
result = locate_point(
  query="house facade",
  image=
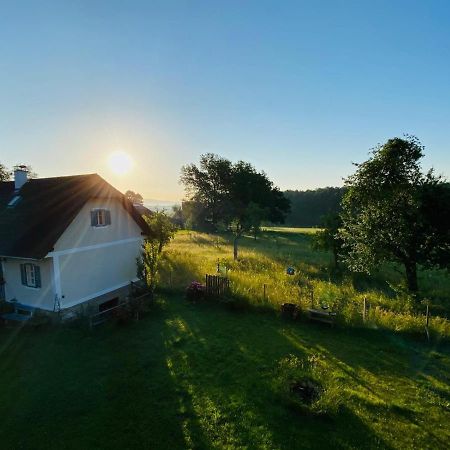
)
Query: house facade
[{"x": 67, "y": 241}]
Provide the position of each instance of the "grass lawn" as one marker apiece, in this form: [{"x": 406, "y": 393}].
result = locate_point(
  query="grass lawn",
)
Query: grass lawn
[{"x": 201, "y": 376}]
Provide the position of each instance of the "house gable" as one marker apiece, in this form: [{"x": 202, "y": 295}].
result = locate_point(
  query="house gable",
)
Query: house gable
[{"x": 81, "y": 233}]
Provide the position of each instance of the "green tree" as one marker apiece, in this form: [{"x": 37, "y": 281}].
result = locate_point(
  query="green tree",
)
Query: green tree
[
  {"x": 308, "y": 208},
  {"x": 4, "y": 173},
  {"x": 207, "y": 186},
  {"x": 392, "y": 211},
  {"x": 161, "y": 231},
  {"x": 134, "y": 197},
  {"x": 177, "y": 216},
  {"x": 236, "y": 195},
  {"x": 329, "y": 239}
]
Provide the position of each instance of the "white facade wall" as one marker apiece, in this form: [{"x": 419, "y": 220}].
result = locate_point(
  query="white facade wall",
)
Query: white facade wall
[
  {"x": 89, "y": 274},
  {"x": 42, "y": 297},
  {"x": 80, "y": 233},
  {"x": 93, "y": 261}
]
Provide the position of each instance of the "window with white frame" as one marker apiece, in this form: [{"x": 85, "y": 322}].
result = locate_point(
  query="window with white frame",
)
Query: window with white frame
[
  {"x": 100, "y": 217},
  {"x": 31, "y": 275}
]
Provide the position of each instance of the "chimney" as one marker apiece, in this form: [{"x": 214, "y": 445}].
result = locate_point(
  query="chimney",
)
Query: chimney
[{"x": 20, "y": 177}]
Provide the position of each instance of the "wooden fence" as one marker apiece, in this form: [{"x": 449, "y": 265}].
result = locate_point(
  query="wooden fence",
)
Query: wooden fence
[{"x": 216, "y": 285}]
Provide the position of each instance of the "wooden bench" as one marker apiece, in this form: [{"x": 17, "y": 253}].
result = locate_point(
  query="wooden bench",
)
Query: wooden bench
[
  {"x": 321, "y": 315},
  {"x": 21, "y": 313}
]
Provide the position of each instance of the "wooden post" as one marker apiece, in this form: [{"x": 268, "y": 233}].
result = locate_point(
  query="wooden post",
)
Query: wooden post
[
  {"x": 428, "y": 321},
  {"x": 311, "y": 293},
  {"x": 218, "y": 265},
  {"x": 364, "y": 309},
  {"x": 264, "y": 296}
]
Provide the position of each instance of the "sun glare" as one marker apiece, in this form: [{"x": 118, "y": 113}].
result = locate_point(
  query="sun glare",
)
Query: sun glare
[{"x": 120, "y": 162}]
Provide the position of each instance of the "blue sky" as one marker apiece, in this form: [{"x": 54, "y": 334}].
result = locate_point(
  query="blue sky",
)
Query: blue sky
[{"x": 300, "y": 89}]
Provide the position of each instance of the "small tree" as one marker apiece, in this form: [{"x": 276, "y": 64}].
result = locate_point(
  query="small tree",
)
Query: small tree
[
  {"x": 4, "y": 173},
  {"x": 134, "y": 197},
  {"x": 148, "y": 264},
  {"x": 161, "y": 228},
  {"x": 329, "y": 239},
  {"x": 161, "y": 231}
]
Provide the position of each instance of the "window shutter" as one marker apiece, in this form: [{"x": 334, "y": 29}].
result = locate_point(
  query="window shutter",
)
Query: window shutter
[
  {"x": 107, "y": 217},
  {"x": 37, "y": 276},
  {"x": 93, "y": 218},
  {"x": 23, "y": 274}
]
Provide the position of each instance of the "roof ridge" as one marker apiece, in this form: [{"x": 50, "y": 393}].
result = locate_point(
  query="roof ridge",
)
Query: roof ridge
[{"x": 84, "y": 175}]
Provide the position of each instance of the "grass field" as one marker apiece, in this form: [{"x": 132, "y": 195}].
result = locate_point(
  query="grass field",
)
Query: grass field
[
  {"x": 219, "y": 375},
  {"x": 200, "y": 376},
  {"x": 264, "y": 262}
]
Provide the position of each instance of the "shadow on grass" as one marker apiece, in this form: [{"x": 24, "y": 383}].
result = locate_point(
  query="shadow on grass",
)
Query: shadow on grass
[{"x": 228, "y": 372}]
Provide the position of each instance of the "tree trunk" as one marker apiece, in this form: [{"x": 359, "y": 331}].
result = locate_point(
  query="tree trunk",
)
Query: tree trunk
[
  {"x": 336, "y": 258},
  {"x": 411, "y": 276},
  {"x": 235, "y": 247}
]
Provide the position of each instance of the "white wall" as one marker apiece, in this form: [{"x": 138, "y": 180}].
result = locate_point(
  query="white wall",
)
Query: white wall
[
  {"x": 42, "y": 297},
  {"x": 88, "y": 274},
  {"x": 80, "y": 233},
  {"x": 94, "y": 260}
]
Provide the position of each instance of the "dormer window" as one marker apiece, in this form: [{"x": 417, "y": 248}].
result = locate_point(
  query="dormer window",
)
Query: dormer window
[{"x": 100, "y": 218}]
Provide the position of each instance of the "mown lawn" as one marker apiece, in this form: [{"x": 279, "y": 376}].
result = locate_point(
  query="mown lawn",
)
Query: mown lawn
[{"x": 201, "y": 376}]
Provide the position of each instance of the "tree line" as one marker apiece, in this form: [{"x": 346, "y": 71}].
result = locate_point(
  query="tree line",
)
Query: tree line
[{"x": 309, "y": 208}]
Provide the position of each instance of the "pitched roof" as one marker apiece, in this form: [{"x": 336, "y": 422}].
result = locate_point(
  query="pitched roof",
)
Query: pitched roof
[
  {"x": 142, "y": 210},
  {"x": 46, "y": 208}
]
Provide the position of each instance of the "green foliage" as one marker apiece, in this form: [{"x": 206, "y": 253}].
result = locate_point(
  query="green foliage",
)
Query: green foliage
[
  {"x": 5, "y": 174},
  {"x": 308, "y": 208},
  {"x": 177, "y": 216},
  {"x": 134, "y": 197},
  {"x": 328, "y": 237},
  {"x": 148, "y": 263},
  {"x": 236, "y": 195},
  {"x": 394, "y": 212},
  {"x": 162, "y": 231}
]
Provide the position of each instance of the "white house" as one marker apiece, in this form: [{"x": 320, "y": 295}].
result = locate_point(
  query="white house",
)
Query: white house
[{"x": 67, "y": 240}]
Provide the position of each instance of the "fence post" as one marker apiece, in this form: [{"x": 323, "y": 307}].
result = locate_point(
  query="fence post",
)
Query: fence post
[
  {"x": 264, "y": 296},
  {"x": 427, "y": 321},
  {"x": 364, "y": 309},
  {"x": 311, "y": 293}
]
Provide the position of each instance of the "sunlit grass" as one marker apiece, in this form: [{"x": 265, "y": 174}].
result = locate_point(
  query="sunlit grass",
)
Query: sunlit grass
[{"x": 264, "y": 262}]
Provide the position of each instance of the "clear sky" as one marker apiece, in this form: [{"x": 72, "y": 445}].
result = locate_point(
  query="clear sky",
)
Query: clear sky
[{"x": 300, "y": 88}]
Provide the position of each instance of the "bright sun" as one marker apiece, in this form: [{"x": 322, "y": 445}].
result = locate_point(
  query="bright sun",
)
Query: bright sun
[{"x": 120, "y": 162}]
